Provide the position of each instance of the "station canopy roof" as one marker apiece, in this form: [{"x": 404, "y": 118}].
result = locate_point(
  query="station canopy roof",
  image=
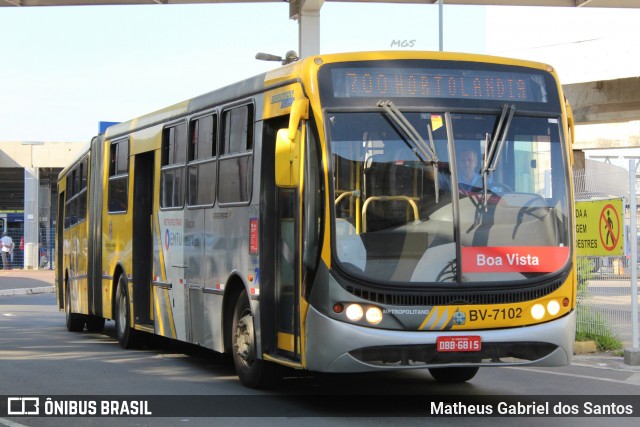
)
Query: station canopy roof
[{"x": 563, "y": 3}]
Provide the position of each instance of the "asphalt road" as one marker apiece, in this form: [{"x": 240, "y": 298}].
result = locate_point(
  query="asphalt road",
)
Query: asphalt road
[{"x": 39, "y": 357}]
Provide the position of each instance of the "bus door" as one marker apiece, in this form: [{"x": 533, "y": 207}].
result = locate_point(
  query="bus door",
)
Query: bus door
[
  {"x": 287, "y": 287},
  {"x": 142, "y": 241},
  {"x": 60, "y": 250},
  {"x": 280, "y": 265},
  {"x": 194, "y": 256}
]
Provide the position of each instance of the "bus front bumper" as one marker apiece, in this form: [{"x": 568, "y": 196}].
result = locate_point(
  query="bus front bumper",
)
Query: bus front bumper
[{"x": 334, "y": 346}]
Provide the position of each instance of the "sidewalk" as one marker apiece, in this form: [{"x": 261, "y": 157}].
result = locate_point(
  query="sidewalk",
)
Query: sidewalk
[
  {"x": 23, "y": 282},
  {"x": 605, "y": 360}
]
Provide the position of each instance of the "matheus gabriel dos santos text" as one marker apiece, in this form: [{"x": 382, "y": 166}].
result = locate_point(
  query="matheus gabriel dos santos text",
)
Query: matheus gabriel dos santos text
[{"x": 531, "y": 408}]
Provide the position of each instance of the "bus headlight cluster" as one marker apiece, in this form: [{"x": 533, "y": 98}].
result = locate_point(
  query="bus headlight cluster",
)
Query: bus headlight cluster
[
  {"x": 355, "y": 312},
  {"x": 538, "y": 311},
  {"x": 374, "y": 315},
  {"x": 553, "y": 307}
]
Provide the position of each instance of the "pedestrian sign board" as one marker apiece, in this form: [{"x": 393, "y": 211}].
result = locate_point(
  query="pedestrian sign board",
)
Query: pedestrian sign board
[{"x": 600, "y": 227}]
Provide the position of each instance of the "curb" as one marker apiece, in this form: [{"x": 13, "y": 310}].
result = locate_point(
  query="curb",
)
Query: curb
[{"x": 27, "y": 291}]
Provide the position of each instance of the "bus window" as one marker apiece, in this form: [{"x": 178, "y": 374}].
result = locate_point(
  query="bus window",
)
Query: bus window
[
  {"x": 202, "y": 161},
  {"x": 174, "y": 153},
  {"x": 236, "y": 162},
  {"x": 83, "y": 174},
  {"x": 238, "y": 129},
  {"x": 72, "y": 204},
  {"x": 118, "y": 176},
  {"x": 82, "y": 195}
]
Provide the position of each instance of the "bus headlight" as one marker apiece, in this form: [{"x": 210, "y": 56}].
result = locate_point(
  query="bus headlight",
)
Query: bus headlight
[
  {"x": 553, "y": 307},
  {"x": 537, "y": 311},
  {"x": 354, "y": 312},
  {"x": 374, "y": 315}
]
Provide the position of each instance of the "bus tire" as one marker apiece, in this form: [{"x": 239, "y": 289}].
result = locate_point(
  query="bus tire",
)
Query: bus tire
[
  {"x": 252, "y": 371},
  {"x": 75, "y": 322},
  {"x": 127, "y": 336},
  {"x": 95, "y": 324},
  {"x": 453, "y": 375}
]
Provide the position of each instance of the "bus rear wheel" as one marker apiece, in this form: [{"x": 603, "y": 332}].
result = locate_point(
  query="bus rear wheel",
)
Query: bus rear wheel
[
  {"x": 453, "y": 375},
  {"x": 252, "y": 371},
  {"x": 127, "y": 336},
  {"x": 75, "y": 322}
]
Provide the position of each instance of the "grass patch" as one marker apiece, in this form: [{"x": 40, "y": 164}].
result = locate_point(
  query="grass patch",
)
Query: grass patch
[
  {"x": 591, "y": 326},
  {"x": 603, "y": 341}
]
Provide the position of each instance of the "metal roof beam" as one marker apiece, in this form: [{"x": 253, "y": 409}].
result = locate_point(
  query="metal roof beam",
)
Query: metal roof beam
[{"x": 559, "y": 3}]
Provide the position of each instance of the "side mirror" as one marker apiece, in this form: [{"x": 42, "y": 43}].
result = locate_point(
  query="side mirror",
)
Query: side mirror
[
  {"x": 299, "y": 111},
  {"x": 288, "y": 146},
  {"x": 287, "y": 159},
  {"x": 571, "y": 125}
]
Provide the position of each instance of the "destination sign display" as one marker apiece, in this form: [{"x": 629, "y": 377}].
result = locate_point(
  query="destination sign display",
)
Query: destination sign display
[{"x": 411, "y": 82}]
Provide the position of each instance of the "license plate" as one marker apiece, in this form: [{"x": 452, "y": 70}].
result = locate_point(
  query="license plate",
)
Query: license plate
[{"x": 463, "y": 343}]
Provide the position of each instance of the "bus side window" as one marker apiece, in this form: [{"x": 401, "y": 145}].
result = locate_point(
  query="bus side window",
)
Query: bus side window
[
  {"x": 118, "y": 176},
  {"x": 202, "y": 161},
  {"x": 236, "y": 166},
  {"x": 71, "y": 200},
  {"x": 174, "y": 155},
  {"x": 82, "y": 191}
]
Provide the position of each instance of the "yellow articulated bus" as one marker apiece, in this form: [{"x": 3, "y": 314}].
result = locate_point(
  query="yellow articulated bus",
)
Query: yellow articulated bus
[{"x": 344, "y": 213}]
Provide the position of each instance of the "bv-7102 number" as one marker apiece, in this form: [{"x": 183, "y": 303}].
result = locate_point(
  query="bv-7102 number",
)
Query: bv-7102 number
[{"x": 495, "y": 314}]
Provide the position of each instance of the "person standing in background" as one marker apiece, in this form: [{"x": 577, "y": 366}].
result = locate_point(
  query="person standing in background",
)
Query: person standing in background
[{"x": 7, "y": 248}]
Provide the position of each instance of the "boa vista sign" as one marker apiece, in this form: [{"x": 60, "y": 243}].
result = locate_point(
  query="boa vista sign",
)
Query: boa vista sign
[{"x": 513, "y": 259}]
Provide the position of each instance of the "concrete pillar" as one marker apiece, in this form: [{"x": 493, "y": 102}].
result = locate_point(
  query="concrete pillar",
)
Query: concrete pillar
[
  {"x": 308, "y": 15},
  {"x": 31, "y": 217},
  {"x": 578, "y": 160},
  {"x": 632, "y": 355},
  {"x": 45, "y": 237}
]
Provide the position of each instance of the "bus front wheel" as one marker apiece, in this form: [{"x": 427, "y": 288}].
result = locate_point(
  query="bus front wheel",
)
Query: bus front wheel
[
  {"x": 453, "y": 375},
  {"x": 252, "y": 371}
]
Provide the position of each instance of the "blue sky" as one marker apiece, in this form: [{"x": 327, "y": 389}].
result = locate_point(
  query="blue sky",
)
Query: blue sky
[{"x": 64, "y": 69}]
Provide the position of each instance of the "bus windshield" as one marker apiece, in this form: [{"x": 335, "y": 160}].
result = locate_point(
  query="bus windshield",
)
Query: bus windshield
[{"x": 492, "y": 221}]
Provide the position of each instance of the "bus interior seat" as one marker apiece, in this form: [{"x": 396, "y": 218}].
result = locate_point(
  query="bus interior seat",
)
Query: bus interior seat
[
  {"x": 383, "y": 179},
  {"x": 514, "y": 219}
]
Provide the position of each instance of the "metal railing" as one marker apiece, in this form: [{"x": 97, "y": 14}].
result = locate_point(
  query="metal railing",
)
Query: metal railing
[
  {"x": 604, "y": 298},
  {"x": 605, "y": 288},
  {"x": 17, "y": 256}
]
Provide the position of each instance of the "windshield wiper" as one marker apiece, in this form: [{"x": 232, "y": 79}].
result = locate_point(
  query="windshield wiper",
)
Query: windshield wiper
[
  {"x": 492, "y": 153},
  {"x": 428, "y": 152},
  {"x": 492, "y": 150}
]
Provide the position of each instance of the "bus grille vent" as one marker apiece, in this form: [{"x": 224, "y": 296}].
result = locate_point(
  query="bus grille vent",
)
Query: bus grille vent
[{"x": 473, "y": 297}]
